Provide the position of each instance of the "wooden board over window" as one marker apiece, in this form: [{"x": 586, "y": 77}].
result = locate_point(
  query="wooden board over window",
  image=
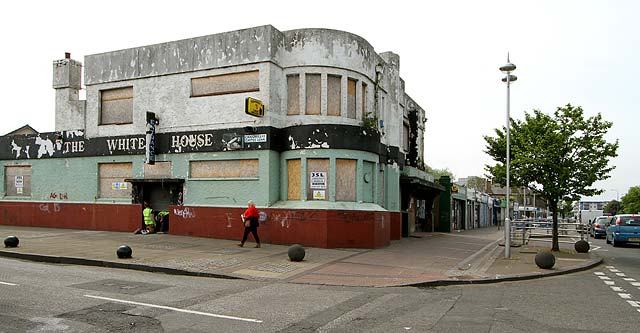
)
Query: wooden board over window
[
  {"x": 116, "y": 106},
  {"x": 318, "y": 165},
  {"x": 345, "y": 180},
  {"x": 313, "y": 93},
  {"x": 111, "y": 180},
  {"x": 17, "y": 180},
  {"x": 334, "y": 95},
  {"x": 225, "y": 84},
  {"x": 157, "y": 170},
  {"x": 293, "y": 178},
  {"x": 293, "y": 94},
  {"x": 224, "y": 169},
  {"x": 351, "y": 98}
]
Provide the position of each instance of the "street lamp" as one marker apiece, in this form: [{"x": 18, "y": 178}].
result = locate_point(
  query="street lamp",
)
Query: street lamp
[{"x": 507, "y": 69}]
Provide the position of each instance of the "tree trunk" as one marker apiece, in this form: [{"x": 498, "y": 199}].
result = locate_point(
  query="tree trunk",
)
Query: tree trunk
[{"x": 553, "y": 205}]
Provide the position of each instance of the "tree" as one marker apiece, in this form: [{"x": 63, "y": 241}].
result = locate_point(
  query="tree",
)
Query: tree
[
  {"x": 630, "y": 202},
  {"x": 437, "y": 173},
  {"x": 477, "y": 183},
  {"x": 564, "y": 208},
  {"x": 612, "y": 207},
  {"x": 559, "y": 156}
]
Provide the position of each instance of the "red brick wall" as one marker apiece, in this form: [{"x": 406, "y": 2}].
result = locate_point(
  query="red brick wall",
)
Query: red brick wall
[
  {"x": 317, "y": 228},
  {"x": 396, "y": 225},
  {"x": 111, "y": 217}
]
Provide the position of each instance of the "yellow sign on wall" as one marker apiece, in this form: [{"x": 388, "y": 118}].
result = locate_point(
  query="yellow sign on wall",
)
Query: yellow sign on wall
[{"x": 253, "y": 107}]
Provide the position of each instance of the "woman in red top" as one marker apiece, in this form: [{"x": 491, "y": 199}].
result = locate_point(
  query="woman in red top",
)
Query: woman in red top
[{"x": 250, "y": 215}]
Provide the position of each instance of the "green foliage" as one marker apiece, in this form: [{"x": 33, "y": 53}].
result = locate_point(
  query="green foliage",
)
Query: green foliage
[
  {"x": 370, "y": 121},
  {"x": 477, "y": 183},
  {"x": 559, "y": 156},
  {"x": 612, "y": 207},
  {"x": 437, "y": 173},
  {"x": 630, "y": 202},
  {"x": 565, "y": 208}
]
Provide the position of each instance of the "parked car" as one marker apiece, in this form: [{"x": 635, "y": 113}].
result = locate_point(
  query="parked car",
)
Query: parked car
[
  {"x": 624, "y": 228},
  {"x": 598, "y": 226}
]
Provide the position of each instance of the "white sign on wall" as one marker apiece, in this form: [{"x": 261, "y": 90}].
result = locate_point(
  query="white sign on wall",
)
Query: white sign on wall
[
  {"x": 318, "y": 180},
  {"x": 19, "y": 181},
  {"x": 251, "y": 138}
]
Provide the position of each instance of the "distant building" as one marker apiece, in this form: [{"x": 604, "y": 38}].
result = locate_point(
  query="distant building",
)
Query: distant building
[{"x": 24, "y": 130}]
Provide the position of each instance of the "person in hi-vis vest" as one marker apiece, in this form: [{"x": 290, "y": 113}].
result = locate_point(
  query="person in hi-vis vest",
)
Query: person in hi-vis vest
[{"x": 149, "y": 223}]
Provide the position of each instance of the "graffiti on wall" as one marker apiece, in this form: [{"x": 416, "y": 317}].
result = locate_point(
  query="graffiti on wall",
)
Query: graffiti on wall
[
  {"x": 59, "y": 196},
  {"x": 185, "y": 212},
  {"x": 50, "y": 208}
]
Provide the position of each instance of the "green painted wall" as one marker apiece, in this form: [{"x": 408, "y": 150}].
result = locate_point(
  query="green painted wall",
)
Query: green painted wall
[{"x": 77, "y": 178}]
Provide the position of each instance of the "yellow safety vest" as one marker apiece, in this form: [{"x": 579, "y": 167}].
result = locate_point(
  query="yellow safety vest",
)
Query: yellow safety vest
[{"x": 148, "y": 219}]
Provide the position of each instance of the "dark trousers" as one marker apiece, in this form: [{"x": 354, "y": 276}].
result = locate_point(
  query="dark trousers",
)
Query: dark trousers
[{"x": 254, "y": 231}]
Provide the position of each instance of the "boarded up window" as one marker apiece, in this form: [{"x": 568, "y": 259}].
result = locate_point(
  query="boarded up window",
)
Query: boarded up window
[
  {"x": 351, "y": 98},
  {"x": 345, "y": 180},
  {"x": 313, "y": 93},
  {"x": 318, "y": 179},
  {"x": 293, "y": 94},
  {"x": 334, "y": 95},
  {"x": 293, "y": 179},
  {"x": 111, "y": 180},
  {"x": 17, "y": 180},
  {"x": 405, "y": 137},
  {"x": 157, "y": 170},
  {"x": 364, "y": 100},
  {"x": 116, "y": 106},
  {"x": 225, "y": 84},
  {"x": 224, "y": 169}
]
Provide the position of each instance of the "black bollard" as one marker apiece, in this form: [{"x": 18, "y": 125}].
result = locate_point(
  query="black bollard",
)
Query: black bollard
[
  {"x": 582, "y": 246},
  {"x": 11, "y": 241},
  {"x": 124, "y": 252},
  {"x": 296, "y": 252},
  {"x": 545, "y": 260}
]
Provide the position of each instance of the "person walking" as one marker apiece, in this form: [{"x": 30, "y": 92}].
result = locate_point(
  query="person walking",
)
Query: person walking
[{"x": 250, "y": 220}]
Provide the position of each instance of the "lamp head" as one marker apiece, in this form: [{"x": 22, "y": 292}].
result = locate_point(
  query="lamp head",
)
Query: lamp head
[
  {"x": 511, "y": 78},
  {"x": 509, "y": 67}
]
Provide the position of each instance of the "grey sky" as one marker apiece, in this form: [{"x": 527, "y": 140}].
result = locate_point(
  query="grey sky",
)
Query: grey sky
[{"x": 586, "y": 53}]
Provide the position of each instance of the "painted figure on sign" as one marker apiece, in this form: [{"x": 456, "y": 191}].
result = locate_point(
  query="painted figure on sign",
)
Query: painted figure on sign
[{"x": 250, "y": 221}]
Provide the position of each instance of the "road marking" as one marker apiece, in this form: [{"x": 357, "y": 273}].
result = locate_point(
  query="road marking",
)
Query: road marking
[
  {"x": 613, "y": 270},
  {"x": 8, "y": 283},
  {"x": 596, "y": 248},
  {"x": 598, "y": 273},
  {"x": 614, "y": 267},
  {"x": 625, "y": 296},
  {"x": 609, "y": 283},
  {"x": 635, "y": 284},
  {"x": 635, "y": 304},
  {"x": 629, "y": 279},
  {"x": 604, "y": 277},
  {"x": 174, "y": 309},
  {"x": 621, "y": 274},
  {"x": 617, "y": 289}
]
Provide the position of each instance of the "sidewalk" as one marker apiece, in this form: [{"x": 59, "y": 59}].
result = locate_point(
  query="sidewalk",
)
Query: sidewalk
[{"x": 472, "y": 256}]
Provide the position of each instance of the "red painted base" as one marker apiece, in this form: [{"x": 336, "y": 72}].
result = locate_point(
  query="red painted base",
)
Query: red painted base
[
  {"x": 317, "y": 228},
  {"x": 108, "y": 217}
]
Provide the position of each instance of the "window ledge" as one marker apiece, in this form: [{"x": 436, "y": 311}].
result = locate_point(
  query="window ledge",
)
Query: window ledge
[{"x": 216, "y": 179}]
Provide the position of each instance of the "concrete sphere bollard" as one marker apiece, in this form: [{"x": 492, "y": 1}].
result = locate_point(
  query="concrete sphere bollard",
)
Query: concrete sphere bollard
[
  {"x": 545, "y": 260},
  {"x": 582, "y": 246},
  {"x": 124, "y": 252},
  {"x": 11, "y": 241},
  {"x": 296, "y": 252}
]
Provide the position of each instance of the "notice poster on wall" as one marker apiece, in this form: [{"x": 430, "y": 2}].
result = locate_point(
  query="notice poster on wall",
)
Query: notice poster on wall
[
  {"x": 19, "y": 182},
  {"x": 119, "y": 186},
  {"x": 318, "y": 180},
  {"x": 319, "y": 195}
]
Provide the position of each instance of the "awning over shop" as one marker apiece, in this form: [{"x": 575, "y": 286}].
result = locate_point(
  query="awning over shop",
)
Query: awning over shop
[
  {"x": 154, "y": 180},
  {"x": 421, "y": 183}
]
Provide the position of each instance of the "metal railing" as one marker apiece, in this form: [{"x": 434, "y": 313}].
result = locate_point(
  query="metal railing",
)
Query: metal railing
[{"x": 523, "y": 231}]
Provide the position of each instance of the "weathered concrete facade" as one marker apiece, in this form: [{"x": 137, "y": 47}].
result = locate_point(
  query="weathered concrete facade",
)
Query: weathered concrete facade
[{"x": 337, "y": 131}]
